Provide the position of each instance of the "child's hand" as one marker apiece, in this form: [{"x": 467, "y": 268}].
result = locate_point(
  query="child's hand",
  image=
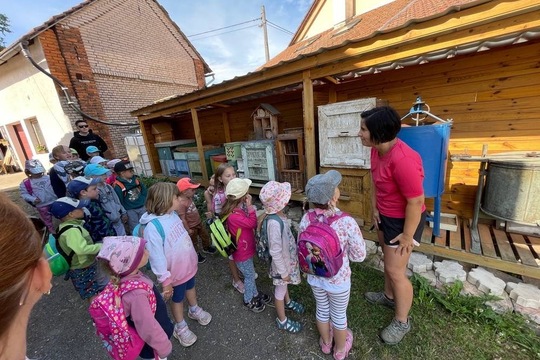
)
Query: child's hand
[
  {"x": 248, "y": 200},
  {"x": 37, "y": 201},
  {"x": 167, "y": 292},
  {"x": 124, "y": 218},
  {"x": 287, "y": 278},
  {"x": 209, "y": 214}
]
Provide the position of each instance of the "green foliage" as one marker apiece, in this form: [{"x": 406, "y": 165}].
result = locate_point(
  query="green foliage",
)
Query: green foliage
[
  {"x": 4, "y": 28},
  {"x": 150, "y": 180}
]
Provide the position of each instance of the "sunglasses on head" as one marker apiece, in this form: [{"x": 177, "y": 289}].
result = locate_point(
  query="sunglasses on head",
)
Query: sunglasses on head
[
  {"x": 82, "y": 126},
  {"x": 41, "y": 229}
]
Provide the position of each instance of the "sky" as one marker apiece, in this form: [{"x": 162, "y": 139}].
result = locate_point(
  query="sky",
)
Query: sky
[{"x": 228, "y": 53}]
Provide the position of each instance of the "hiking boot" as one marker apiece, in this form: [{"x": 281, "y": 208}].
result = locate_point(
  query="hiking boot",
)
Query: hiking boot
[
  {"x": 395, "y": 332},
  {"x": 290, "y": 325},
  {"x": 185, "y": 336},
  {"x": 340, "y": 355},
  {"x": 210, "y": 250},
  {"x": 203, "y": 317},
  {"x": 239, "y": 286},
  {"x": 379, "y": 298},
  {"x": 201, "y": 259},
  {"x": 255, "y": 305},
  {"x": 265, "y": 299}
]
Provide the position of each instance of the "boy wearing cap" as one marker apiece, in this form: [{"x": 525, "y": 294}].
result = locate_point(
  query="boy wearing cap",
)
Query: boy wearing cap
[
  {"x": 92, "y": 151},
  {"x": 131, "y": 192},
  {"x": 97, "y": 223},
  {"x": 98, "y": 160},
  {"x": 192, "y": 219},
  {"x": 112, "y": 176},
  {"x": 77, "y": 241},
  {"x": 108, "y": 198},
  {"x": 37, "y": 191}
]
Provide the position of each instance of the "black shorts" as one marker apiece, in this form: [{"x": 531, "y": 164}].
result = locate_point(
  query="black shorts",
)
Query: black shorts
[{"x": 392, "y": 227}]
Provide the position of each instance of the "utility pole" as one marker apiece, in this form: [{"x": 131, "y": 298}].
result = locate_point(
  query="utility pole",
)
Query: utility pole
[{"x": 265, "y": 33}]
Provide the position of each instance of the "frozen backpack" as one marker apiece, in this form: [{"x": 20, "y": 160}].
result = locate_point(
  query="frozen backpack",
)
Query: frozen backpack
[
  {"x": 119, "y": 338},
  {"x": 319, "y": 249}
]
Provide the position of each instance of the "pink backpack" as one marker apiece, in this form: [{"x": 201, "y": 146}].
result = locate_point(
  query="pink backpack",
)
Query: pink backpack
[
  {"x": 119, "y": 338},
  {"x": 319, "y": 249}
]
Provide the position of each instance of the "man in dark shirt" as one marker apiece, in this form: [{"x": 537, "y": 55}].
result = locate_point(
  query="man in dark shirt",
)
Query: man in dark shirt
[{"x": 84, "y": 138}]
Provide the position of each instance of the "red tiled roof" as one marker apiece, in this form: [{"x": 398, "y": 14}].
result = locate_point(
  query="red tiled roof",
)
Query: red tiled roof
[{"x": 389, "y": 17}]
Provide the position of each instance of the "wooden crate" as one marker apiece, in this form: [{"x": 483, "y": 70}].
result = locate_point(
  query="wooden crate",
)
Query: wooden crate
[{"x": 296, "y": 179}]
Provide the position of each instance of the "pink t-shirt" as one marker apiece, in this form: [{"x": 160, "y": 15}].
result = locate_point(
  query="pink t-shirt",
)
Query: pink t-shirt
[{"x": 398, "y": 175}]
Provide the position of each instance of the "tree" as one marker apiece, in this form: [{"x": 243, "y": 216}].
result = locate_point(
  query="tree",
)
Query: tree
[{"x": 4, "y": 28}]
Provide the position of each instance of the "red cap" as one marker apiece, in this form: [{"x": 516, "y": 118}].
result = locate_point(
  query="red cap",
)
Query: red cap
[{"x": 186, "y": 183}]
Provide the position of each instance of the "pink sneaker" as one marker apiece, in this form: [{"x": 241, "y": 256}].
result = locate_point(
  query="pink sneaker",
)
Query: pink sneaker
[
  {"x": 340, "y": 355},
  {"x": 239, "y": 286},
  {"x": 200, "y": 315},
  {"x": 327, "y": 348},
  {"x": 185, "y": 336}
]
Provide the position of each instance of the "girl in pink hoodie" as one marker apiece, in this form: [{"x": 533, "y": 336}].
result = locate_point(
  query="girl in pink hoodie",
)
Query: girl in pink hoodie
[
  {"x": 173, "y": 258},
  {"x": 241, "y": 222}
]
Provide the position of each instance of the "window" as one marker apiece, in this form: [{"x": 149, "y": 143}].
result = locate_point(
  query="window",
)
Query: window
[{"x": 36, "y": 135}]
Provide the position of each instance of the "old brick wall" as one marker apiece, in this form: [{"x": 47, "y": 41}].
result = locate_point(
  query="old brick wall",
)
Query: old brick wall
[{"x": 122, "y": 55}]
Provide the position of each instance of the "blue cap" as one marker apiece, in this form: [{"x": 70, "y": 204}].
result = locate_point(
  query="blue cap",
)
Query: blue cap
[
  {"x": 63, "y": 206},
  {"x": 91, "y": 149},
  {"x": 80, "y": 183},
  {"x": 95, "y": 170}
]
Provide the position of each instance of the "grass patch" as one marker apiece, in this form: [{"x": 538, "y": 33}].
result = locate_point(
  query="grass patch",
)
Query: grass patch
[{"x": 446, "y": 325}]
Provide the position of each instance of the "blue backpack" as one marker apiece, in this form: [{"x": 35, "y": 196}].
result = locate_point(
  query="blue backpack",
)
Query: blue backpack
[{"x": 263, "y": 250}]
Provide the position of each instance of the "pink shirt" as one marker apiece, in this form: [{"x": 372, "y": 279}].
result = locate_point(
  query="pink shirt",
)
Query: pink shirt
[
  {"x": 245, "y": 244},
  {"x": 218, "y": 201},
  {"x": 137, "y": 305},
  {"x": 398, "y": 175}
]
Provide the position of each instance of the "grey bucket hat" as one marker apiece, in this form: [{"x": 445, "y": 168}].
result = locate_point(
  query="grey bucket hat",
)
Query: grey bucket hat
[{"x": 320, "y": 188}]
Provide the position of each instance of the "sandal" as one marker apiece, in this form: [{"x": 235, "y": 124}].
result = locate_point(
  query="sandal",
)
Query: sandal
[
  {"x": 239, "y": 286},
  {"x": 341, "y": 355},
  {"x": 295, "y": 306},
  {"x": 290, "y": 325}
]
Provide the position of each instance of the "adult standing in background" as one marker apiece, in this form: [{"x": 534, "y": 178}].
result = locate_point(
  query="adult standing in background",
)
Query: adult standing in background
[
  {"x": 84, "y": 138},
  {"x": 398, "y": 212}
]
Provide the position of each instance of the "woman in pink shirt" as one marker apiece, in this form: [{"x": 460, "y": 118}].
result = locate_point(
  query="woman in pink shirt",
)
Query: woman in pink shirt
[{"x": 398, "y": 211}]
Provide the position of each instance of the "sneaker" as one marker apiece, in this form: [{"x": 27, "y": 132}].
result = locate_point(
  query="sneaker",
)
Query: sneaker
[
  {"x": 290, "y": 325},
  {"x": 201, "y": 258},
  {"x": 255, "y": 305},
  {"x": 203, "y": 317},
  {"x": 340, "y": 355},
  {"x": 239, "y": 286},
  {"x": 210, "y": 250},
  {"x": 395, "y": 332},
  {"x": 379, "y": 298},
  {"x": 327, "y": 348},
  {"x": 265, "y": 299},
  {"x": 185, "y": 336}
]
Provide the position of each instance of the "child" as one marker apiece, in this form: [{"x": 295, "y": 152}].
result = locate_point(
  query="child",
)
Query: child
[
  {"x": 241, "y": 223},
  {"x": 332, "y": 294},
  {"x": 52, "y": 160},
  {"x": 108, "y": 198},
  {"x": 58, "y": 175},
  {"x": 131, "y": 192},
  {"x": 122, "y": 257},
  {"x": 92, "y": 151},
  {"x": 37, "y": 191},
  {"x": 225, "y": 173},
  {"x": 191, "y": 219},
  {"x": 74, "y": 154},
  {"x": 209, "y": 196},
  {"x": 97, "y": 223},
  {"x": 172, "y": 258},
  {"x": 98, "y": 160},
  {"x": 282, "y": 247},
  {"x": 77, "y": 241},
  {"x": 112, "y": 176}
]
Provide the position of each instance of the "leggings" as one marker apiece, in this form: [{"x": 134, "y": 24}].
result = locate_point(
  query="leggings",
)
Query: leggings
[
  {"x": 332, "y": 307},
  {"x": 280, "y": 291}
]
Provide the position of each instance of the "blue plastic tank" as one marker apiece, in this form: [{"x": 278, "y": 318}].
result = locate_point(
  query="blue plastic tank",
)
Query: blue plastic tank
[{"x": 431, "y": 142}]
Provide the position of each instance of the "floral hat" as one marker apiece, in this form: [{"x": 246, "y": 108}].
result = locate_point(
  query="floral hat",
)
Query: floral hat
[
  {"x": 275, "y": 196},
  {"x": 124, "y": 253}
]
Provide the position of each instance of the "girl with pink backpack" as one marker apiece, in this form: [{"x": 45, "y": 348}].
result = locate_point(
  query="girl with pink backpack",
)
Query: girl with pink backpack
[
  {"x": 129, "y": 314},
  {"x": 331, "y": 292}
]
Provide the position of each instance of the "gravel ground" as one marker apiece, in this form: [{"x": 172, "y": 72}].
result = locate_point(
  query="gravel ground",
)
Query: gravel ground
[{"x": 60, "y": 327}]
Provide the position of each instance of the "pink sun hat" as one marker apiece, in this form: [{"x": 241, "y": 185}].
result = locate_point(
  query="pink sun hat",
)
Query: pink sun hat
[{"x": 275, "y": 196}]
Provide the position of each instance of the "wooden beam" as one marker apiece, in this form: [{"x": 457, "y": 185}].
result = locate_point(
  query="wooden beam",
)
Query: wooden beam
[
  {"x": 468, "y": 21},
  {"x": 226, "y": 126},
  {"x": 332, "y": 95},
  {"x": 221, "y": 105},
  {"x": 198, "y": 138},
  {"x": 309, "y": 125},
  {"x": 331, "y": 79}
]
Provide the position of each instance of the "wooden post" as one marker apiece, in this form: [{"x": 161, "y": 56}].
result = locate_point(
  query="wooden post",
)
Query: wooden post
[
  {"x": 198, "y": 138},
  {"x": 332, "y": 95},
  {"x": 150, "y": 148},
  {"x": 309, "y": 125},
  {"x": 226, "y": 127}
]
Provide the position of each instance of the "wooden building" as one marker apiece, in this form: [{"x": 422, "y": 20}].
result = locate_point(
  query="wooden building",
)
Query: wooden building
[{"x": 473, "y": 61}]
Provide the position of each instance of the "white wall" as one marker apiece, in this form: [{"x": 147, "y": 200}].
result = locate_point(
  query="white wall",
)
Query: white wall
[{"x": 27, "y": 93}]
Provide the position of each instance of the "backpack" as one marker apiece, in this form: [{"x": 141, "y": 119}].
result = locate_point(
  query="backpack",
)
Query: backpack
[
  {"x": 59, "y": 260},
  {"x": 121, "y": 340},
  {"x": 138, "y": 230},
  {"x": 319, "y": 249},
  {"x": 221, "y": 238},
  {"x": 263, "y": 250},
  {"x": 28, "y": 186},
  {"x": 123, "y": 187}
]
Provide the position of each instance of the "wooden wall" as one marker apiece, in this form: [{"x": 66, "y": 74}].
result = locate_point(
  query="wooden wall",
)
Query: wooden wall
[{"x": 492, "y": 96}]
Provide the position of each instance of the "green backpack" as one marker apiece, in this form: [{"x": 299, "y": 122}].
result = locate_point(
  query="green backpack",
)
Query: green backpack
[
  {"x": 59, "y": 260},
  {"x": 221, "y": 238}
]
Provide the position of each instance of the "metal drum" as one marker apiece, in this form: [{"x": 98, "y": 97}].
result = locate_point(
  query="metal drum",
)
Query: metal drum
[{"x": 512, "y": 190}]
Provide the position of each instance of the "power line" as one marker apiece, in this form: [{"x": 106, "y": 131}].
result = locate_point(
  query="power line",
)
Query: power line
[
  {"x": 225, "y": 27},
  {"x": 226, "y": 32},
  {"x": 276, "y": 26}
]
